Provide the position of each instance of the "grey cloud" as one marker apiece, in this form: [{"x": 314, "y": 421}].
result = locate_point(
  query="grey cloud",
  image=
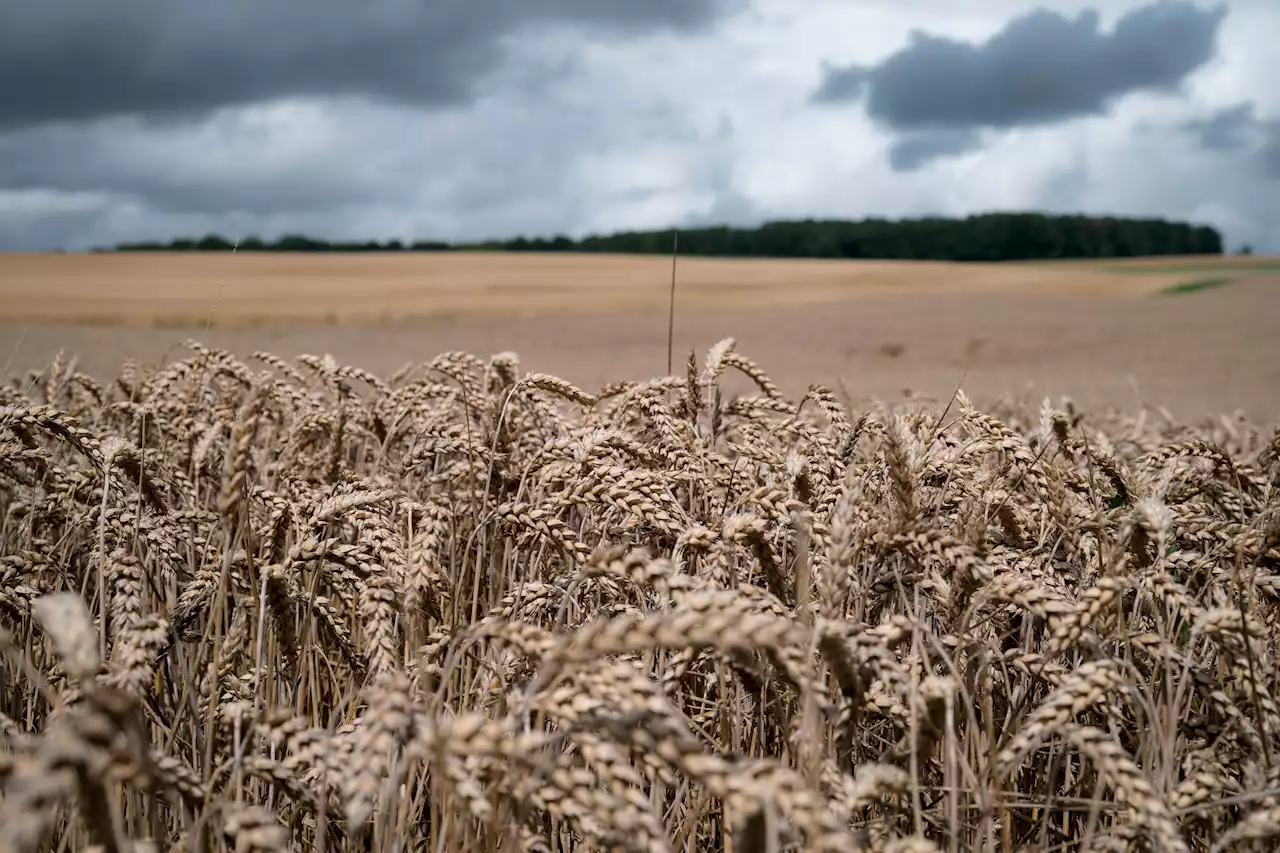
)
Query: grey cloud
[
  {"x": 254, "y": 134},
  {"x": 1042, "y": 67},
  {"x": 349, "y": 170},
  {"x": 916, "y": 150},
  {"x": 841, "y": 83},
  {"x": 76, "y": 61},
  {"x": 44, "y": 221},
  {"x": 1268, "y": 157},
  {"x": 1237, "y": 130},
  {"x": 1228, "y": 129},
  {"x": 178, "y": 168},
  {"x": 717, "y": 177},
  {"x": 349, "y": 185},
  {"x": 729, "y": 206}
]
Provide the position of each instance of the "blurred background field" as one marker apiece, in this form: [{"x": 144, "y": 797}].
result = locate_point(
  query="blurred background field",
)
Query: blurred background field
[{"x": 1195, "y": 334}]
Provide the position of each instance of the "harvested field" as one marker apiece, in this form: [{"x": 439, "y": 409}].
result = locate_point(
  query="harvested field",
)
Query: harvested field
[
  {"x": 257, "y": 288},
  {"x": 278, "y": 604},
  {"x": 1102, "y": 333}
]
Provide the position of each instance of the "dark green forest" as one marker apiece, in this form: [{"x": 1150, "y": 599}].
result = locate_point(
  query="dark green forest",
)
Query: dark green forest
[{"x": 984, "y": 237}]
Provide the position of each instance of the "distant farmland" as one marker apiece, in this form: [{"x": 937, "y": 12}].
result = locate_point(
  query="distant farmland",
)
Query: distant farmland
[
  {"x": 1101, "y": 331},
  {"x": 254, "y": 288}
]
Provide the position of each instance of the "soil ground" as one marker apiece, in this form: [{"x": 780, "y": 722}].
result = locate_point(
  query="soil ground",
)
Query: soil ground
[{"x": 1192, "y": 335}]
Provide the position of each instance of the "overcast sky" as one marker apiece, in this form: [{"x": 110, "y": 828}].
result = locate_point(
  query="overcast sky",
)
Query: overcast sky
[{"x": 465, "y": 119}]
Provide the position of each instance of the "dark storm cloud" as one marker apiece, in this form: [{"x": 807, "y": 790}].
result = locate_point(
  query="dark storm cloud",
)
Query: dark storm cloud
[
  {"x": 916, "y": 150},
  {"x": 1042, "y": 67},
  {"x": 1228, "y": 129},
  {"x": 351, "y": 170},
  {"x": 115, "y": 158},
  {"x": 77, "y": 61}
]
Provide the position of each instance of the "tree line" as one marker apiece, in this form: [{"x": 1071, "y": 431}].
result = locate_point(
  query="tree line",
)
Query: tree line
[{"x": 982, "y": 237}]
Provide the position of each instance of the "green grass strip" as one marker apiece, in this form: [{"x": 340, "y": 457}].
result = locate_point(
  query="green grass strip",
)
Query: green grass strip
[
  {"x": 1197, "y": 285},
  {"x": 1238, "y": 268}
]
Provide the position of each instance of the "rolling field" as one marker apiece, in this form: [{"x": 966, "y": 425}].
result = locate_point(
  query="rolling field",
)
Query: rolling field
[
  {"x": 1104, "y": 333},
  {"x": 258, "y": 288}
]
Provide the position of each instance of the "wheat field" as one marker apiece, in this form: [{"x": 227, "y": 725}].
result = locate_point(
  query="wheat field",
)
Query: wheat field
[
  {"x": 265, "y": 605},
  {"x": 1102, "y": 332},
  {"x": 234, "y": 290}
]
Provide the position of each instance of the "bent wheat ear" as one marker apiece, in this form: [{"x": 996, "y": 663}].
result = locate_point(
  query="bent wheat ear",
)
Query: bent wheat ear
[
  {"x": 559, "y": 387},
  {"x": 66, "y": 620},
  {"x": 1262, "y": 825}
]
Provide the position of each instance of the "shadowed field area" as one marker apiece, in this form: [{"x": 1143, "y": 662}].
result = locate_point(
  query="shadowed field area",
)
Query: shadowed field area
[{"x": 1106, "y": 333}]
